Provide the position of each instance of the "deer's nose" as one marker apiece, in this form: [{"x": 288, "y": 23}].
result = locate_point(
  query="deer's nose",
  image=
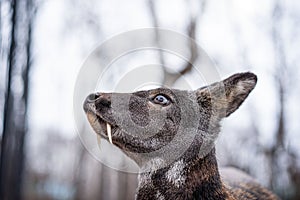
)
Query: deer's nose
[
  {"x": 100, "y": 99},
  {"x": 93, "y": 97}
]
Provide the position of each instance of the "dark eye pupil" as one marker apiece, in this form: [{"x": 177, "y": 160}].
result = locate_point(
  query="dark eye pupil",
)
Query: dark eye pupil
[{"x": 160, "y": 99}]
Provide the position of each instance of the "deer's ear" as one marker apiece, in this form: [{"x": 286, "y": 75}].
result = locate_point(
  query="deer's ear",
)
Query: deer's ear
[
  {"x": 226, "y": 96},
  {"x": 237, "y": 88}
]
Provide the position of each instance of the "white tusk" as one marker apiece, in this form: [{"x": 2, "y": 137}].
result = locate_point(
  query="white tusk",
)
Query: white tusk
[{"x": 108, "y": 127}]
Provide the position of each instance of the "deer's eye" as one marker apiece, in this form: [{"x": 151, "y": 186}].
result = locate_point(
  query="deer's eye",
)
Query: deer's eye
[{"x": 161, "y": 99}]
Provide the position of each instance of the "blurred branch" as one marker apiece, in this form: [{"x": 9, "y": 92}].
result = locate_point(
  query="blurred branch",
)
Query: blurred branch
[
  {"x": 31, "y": 12},
  {"x": 156, "y": 25},
  {"x": 280, "y": 73},
  {"x": 171, "y": 78}
]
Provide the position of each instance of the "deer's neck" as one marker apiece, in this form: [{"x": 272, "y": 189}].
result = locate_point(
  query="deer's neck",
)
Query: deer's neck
[{"x": 193, "y": 179}]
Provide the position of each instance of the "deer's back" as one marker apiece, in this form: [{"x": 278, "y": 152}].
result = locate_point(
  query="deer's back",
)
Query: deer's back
[{"x": 241, "y": 186}]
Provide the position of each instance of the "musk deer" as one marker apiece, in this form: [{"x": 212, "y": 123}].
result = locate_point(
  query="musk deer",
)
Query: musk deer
[{"x": 170, "y": 134}]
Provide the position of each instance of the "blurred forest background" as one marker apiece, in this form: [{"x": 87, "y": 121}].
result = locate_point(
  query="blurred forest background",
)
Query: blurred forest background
[{"x": 43, "y": 44}]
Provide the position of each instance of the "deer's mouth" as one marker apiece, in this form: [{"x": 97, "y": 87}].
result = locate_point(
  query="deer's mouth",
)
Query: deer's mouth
[
  {"x": 102, "y": 126},
  {"x": 106, "y": 128}
]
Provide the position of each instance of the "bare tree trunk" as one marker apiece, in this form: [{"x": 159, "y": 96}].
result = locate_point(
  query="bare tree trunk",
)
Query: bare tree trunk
[
  {"x": 7, "y": 177},
  {"x": 294, "y": 173},
  {"x": 0, "y": 27},
  {"x": 15, "y": 105}
]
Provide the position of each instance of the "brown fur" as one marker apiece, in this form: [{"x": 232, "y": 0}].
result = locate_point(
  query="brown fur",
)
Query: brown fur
[{"x": 173, "y": 143}]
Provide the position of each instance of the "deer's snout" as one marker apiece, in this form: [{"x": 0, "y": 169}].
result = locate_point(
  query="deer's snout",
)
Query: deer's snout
[
  {"x": 102, "y": 99},
  {"x": 93, "y": 97}
]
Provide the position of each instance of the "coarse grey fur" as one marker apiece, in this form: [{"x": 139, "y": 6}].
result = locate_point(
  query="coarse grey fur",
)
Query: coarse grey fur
[{"x": 173, "y": 143}]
